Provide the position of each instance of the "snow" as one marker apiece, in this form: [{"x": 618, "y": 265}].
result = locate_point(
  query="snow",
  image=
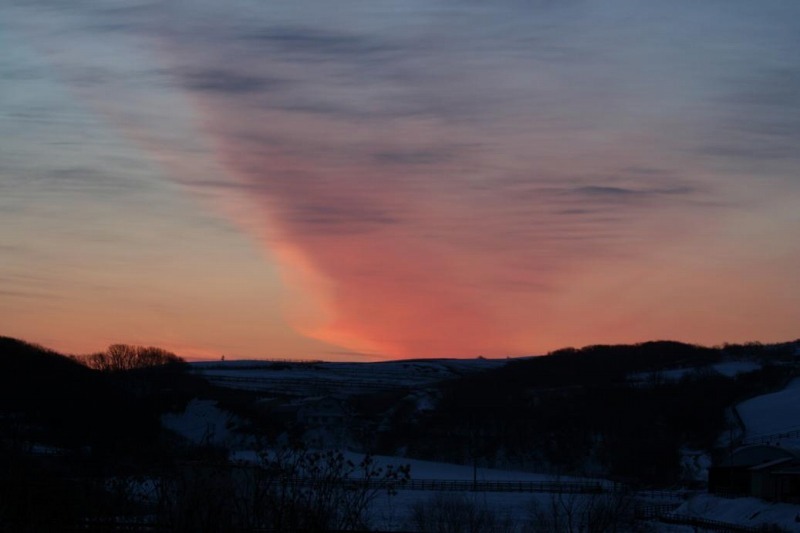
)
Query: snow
[
  {"x": 395, "y": 512},
  {"x": 453, "y": 472},
  {"x": 744, "y": 511},
  {"x": 694, "y": 464},
  {"x": 775, "y": 413},
  {"x": 734, "y": 368},
  {"x": 202, "y": 422},
  {"x": 429, "y": 470},
  {"x": 658, "y": 527},
  {"x": 768, "y": 414},
  {"x": 425, "y": 401}
]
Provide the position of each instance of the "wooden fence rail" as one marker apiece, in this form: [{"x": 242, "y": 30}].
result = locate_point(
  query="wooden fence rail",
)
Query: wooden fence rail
[
  {"x": 460, "y": 485},
  {"x": 769, "y": 437},
  {"x": 569, "y": 487},
  {"x": 714, "y": 525}
]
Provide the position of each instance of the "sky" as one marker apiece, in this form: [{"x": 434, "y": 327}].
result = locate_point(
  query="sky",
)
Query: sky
[{"x": 377, "y": 179}]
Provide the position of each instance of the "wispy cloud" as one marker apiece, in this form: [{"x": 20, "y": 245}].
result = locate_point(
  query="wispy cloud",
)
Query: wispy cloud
[
  {"x": 467, "y": 178},
  {"x": 317, "y": 44},
  {"x": 227, "y": 82}
]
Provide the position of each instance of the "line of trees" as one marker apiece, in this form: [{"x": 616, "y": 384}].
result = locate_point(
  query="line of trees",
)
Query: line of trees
[
  {"x": 576, "y": 412},
  {"x": 123, "y": 357}
]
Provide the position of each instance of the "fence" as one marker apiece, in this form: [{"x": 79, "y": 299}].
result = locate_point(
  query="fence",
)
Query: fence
[
  {"x": 666, "y": 513},
  {"x": 714, "y": 525},
  {"x": 561, "y": 487},
  {"x": 461, "y": 485},
  {"x": 771, "y": 437},
  {"x": 663, "y": 495},
  {"x": 651, "y": 511}
]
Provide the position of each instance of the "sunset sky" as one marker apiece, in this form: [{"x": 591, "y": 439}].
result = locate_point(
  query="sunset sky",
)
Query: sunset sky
[{"x": 369, "y": 179}]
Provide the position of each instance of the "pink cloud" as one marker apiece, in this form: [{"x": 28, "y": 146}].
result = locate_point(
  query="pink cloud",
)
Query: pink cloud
[{"x": 483, "y": 184}]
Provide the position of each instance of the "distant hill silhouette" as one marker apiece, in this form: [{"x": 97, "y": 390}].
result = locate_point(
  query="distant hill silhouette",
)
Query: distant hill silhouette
[{"x": 48, "y": 398}]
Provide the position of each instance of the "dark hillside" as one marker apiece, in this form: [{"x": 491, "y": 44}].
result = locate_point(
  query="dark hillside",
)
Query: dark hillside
[
  {"x": 577, "y": 412},
  {"x": 48, "y": 398},
  {"x": 63, "y": 429},
  {"x": 596, "y": 365}
]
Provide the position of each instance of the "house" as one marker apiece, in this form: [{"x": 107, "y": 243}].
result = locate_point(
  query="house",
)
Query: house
[{"x": 762, "y": 471}]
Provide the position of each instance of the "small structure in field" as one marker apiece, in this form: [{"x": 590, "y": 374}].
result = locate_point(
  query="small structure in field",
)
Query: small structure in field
[{"x": 762, "y": 471}]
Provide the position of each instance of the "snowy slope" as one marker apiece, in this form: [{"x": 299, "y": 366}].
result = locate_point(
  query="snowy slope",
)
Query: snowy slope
[
  {"x": 743, "y": 511},
  {"x": 202, "y": 422},
  {"x": 734, "y": 368},
  {"x": 775, "y": 413}
]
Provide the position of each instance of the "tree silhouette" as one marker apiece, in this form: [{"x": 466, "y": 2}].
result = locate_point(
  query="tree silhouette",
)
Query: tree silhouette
[{"x": 122, "y": 357}]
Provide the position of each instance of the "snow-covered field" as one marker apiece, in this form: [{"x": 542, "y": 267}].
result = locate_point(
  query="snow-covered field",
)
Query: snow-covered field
[
  {"x": 312, "y": 379},
  {"x": 743, "y": 511},
  {"x": 734, "y": 368},
  {"x": 395, "y": 512},
  {"x": 434, "y": 470},
  {"x": 770, "y": 414},
  {"x": 202, "y": 422}
]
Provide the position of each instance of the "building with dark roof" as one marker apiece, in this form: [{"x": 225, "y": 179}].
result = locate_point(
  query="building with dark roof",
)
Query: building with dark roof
[{"x": 762, "y": 471}]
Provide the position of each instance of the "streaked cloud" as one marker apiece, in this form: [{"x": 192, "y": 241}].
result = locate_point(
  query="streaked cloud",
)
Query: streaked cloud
[
  {"x": 226, "y": 82},
  {"x": 456, "y": 178}
]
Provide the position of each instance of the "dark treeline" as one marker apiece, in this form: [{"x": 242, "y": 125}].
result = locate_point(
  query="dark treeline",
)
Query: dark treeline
[
  {"x": 48, "y": 398},
  {"x": 577, "y": 411},
  {"x": 65, "y": 427},
  {"x": 82, "y": 448},
  {"x": 123, "y": 357}
]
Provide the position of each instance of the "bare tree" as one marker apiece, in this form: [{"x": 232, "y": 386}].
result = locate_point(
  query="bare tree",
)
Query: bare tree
[
  {"x": 585, "y": 513},
  {"x": 120, "y": 357},
  {"x": 318, "y": 491},
  {"x": 291, "y": 489},
  {"x": 457, "y": 513}
]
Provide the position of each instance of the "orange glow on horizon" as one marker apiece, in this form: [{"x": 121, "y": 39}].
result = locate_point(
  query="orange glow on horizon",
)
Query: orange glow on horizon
[{"x": 327, "y": 182}]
